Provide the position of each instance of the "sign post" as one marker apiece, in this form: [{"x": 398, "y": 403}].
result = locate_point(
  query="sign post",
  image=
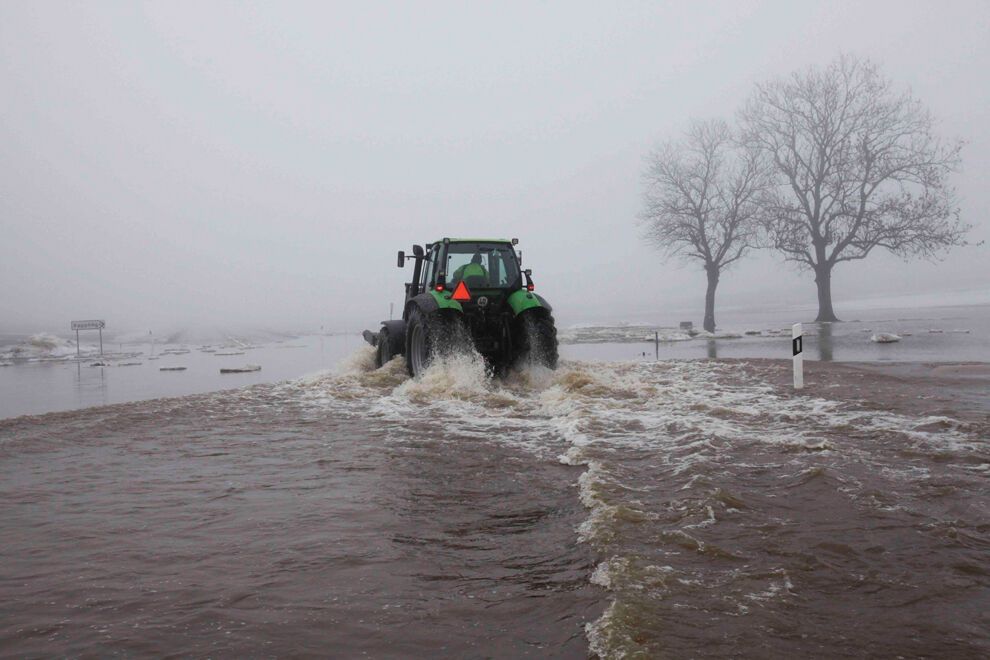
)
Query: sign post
[
  {"x": 797, "y": 348},
  {"x": 89, "y": 325}
]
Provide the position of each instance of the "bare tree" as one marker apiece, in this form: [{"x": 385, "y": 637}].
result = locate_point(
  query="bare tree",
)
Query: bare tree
[
  {"x": 701, "y": 201},
  {"x": 857, "y": 167}
]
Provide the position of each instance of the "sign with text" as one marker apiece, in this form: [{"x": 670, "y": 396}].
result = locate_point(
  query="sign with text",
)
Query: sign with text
[{"x": 88, "y": 325}]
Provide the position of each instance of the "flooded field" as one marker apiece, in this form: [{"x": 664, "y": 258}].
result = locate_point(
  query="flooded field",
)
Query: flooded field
[
  {"x": 41, "y": 373},
  {"x": 621, "y": 509}
]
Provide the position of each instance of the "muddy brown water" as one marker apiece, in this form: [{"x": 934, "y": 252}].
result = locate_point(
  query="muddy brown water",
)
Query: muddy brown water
[{"x": 677, "y": 509}]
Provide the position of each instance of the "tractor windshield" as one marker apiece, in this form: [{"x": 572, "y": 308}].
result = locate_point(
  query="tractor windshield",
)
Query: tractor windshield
[{"x": 482, "y": 265}]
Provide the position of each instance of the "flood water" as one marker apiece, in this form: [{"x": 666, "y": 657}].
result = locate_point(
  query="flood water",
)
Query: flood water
[
  {"x": 133, "y": 372},
  {"x": 934, "y": 334},
  {"x": 38, "y": 382},
  {"x": 620, "y": 509}
]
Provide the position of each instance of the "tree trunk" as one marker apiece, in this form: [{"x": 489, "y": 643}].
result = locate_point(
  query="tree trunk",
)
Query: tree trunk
[
  {"x": 710, "y": 299},
  {"x": 823, "y": 278}
]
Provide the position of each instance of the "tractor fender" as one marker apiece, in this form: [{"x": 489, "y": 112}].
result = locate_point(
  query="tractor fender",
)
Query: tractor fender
[
  {"x": 432, "y": 301},
  {"x": 396, "y": 336},
  {"x": 522, "y": 300}
]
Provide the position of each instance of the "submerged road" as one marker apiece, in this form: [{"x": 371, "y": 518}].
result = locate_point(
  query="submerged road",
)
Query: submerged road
[{"x": 690, "y": 508}]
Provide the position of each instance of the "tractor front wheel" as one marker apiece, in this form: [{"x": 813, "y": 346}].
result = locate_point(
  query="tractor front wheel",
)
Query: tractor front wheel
[{"x": 384, "y": 349}]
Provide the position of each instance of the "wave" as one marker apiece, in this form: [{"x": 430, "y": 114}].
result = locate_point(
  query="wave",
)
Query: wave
[
  {"x": 41, "y": 346},
  {"x": 671, "y": 451}
]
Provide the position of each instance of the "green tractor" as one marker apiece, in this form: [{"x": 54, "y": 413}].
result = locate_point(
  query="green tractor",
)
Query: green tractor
[{"x": 469, "y": 293}]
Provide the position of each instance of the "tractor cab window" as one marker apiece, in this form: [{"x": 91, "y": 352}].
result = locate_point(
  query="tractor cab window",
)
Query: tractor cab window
[
  {"x": 481, "y": 265},
  {"x": 427, "y": 277}
]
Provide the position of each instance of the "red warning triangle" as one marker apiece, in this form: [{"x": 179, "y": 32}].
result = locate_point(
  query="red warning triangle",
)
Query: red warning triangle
[{"x": 461, "y": 293}]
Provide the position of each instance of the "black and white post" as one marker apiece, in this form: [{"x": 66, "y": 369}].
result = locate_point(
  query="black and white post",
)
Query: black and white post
[{"x": 797, "y": 349}]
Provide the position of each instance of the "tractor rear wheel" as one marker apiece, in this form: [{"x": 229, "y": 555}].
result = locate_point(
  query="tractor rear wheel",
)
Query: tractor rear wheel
[
  {"x": 427, "y": 336},
  {"x": 536, "y": 339},
  {"x": 417, "y": 344}
]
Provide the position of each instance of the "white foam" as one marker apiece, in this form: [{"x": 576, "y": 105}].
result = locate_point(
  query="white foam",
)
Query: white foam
[
  {"x": 458, "y": 376},
  {"x": 682, "y": 412},
  {"x": 44, "y": 346},
  {"x": 359, "y": 362},
  {"x": 776, "y": 589}
]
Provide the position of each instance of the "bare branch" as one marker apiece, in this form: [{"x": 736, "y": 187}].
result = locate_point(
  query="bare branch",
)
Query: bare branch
[
  {"x": 857, "y": 166},
  {"x": 702, "y": 196}
]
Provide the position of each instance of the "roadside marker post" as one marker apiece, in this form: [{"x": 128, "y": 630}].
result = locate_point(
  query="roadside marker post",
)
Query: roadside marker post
[{"x": 797, "y": 350}]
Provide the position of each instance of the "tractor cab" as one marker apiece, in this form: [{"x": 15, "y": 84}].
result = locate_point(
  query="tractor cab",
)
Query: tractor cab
[
  {"x": 468, "y": 288},
  {"x": 459, "y": 268}
]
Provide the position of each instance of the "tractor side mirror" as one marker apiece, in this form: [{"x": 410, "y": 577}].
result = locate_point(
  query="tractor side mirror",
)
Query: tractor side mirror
[{"x": 402, "y": 258}]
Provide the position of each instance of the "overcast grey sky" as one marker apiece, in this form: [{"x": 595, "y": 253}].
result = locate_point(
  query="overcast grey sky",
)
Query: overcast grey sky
[{"x": 180, "y": 163}]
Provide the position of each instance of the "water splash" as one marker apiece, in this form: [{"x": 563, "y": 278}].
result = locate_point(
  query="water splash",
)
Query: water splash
[{"x": 693, "y": 471}]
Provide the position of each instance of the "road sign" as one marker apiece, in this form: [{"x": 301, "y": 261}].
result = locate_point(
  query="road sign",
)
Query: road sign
[
  {"x": 89, "y": 325},
  {"x": 93, "y": 324}
]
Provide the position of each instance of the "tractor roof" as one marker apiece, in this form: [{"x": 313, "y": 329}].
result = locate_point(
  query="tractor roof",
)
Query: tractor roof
[{"x": 475, "y": 240}]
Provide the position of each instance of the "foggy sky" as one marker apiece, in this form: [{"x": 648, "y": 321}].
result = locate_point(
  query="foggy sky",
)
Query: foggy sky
[{"x": 173, "y": 164}]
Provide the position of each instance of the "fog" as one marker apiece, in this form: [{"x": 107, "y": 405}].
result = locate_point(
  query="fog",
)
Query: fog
[{"x": 202, "y": 164}]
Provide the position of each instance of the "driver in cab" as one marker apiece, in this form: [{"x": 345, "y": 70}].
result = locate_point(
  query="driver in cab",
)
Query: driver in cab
[{"x": 473, "y": 273}]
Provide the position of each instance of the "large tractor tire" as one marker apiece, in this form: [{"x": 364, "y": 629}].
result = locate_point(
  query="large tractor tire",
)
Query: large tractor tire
[
  {"x": 383, "y": 348},
  {"x": 389, "y": 342},
  {"x": 427, "y": 337},
  {"x": 535, "y": 339}
]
